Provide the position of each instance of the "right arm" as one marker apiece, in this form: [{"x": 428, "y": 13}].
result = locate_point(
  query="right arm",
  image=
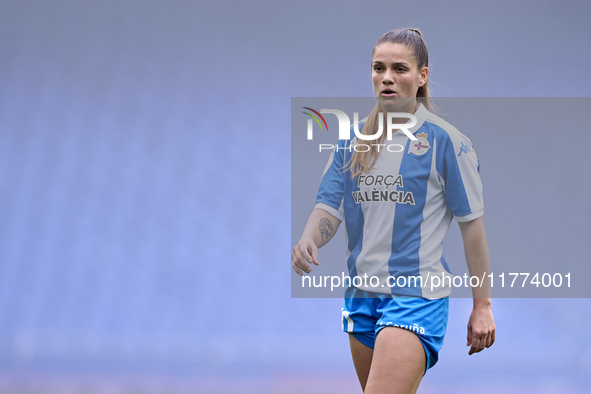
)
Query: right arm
[{"x": 320, "y": 228}]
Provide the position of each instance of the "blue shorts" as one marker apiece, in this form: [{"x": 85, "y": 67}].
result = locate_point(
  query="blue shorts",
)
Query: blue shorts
[{"x": 364, "y": 315}]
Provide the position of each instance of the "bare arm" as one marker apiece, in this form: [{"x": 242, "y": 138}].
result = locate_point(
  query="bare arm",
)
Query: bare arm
[
  {"x": 481, "y": 325},
  {"x": 320, "y": 229}
]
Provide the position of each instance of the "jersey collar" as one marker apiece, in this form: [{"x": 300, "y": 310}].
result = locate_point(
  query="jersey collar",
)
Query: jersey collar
[{"x": 421, "y": 115}]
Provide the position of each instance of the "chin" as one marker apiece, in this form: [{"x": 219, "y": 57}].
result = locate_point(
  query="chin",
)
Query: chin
[{"x": 397, "y": 104}]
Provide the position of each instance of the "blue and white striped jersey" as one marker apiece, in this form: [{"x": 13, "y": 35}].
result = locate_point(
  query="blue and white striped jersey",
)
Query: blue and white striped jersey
[{"x": 397, "y": 215}]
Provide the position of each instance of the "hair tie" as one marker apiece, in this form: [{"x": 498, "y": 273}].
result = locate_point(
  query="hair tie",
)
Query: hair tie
[{"x": 416, "y": 31}]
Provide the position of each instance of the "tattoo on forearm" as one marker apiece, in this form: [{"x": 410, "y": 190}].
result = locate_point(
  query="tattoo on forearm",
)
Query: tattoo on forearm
[{"x": 326, "y": 229}]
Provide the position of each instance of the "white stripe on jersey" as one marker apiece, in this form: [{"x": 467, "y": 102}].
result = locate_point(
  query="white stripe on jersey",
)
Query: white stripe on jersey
[
  {"x": 377, "y": 238},
  {"x": 433, "y": 229}
]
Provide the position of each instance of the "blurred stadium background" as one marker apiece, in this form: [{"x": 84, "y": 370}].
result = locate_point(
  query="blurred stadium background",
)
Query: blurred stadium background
[{"x": 144, "y": 191}]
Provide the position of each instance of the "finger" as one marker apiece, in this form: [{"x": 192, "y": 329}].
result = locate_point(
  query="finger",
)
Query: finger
[
  {"x": 469, "y": 336},
  {"x": 293, "y": 265},
  {"x": 297, "y": 270},
  {"x": 473, "y": 341},
  {"x": 306, "y": 255},
  {"x": 300, "y": 262},
  {"x": 315, "y": 256},
  {"x": 493, "y": 336},
  {"x": 489, "y": 340},
  {"x": 303, "y": 265},
  {"x": 474, "y": 346},
  {"x": 481, "y": 343},
  {"x": 486, "y": 341}
]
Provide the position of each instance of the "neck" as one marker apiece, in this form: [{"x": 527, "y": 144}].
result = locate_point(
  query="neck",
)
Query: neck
[{"x": 409, "y": 105}]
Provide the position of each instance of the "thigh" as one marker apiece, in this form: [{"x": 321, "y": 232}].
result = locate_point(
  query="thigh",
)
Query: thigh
[
  {"x": 398, "y": 362},
  {"x": 362, "y": 356}
]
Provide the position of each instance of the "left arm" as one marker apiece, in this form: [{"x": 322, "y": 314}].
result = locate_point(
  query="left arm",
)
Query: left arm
[{"x": 481, "y": 325}]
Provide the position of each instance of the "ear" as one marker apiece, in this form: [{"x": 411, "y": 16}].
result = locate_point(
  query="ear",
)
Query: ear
[{"x": 423, "y": 76}]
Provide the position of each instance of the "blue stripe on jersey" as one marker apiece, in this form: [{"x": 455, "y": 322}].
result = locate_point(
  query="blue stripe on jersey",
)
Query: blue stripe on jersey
[
  {"x": 447, "y": 165},
  {"x": 406, "y": 235},
  {"x": 331, "y": 187},
  {"x": 355, "y": 219},
  {"x": 355, "y": 223}
]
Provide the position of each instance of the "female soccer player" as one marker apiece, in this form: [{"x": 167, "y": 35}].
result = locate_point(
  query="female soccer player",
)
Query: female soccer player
[{"x": 397, "y": 196}]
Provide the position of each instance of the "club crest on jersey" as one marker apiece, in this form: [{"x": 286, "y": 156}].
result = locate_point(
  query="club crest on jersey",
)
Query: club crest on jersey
[{"x": 420, "y": 146}]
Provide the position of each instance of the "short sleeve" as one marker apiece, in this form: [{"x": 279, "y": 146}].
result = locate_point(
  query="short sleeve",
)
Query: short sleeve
[
  {"x": 331, "y": 189},
  {"x": 460, "y": 171}
]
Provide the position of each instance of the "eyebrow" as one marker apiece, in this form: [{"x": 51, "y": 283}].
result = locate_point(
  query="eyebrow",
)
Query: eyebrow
[{"x": 395, "y": 63}]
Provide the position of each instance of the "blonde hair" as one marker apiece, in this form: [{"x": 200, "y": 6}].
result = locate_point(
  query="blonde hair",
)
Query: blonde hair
[{"x": 413, "y": 39}]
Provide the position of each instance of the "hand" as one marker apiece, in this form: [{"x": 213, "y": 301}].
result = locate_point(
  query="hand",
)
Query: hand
[
  {"x": 481, "y": 329},
  {"x": 304, "y": 253}
]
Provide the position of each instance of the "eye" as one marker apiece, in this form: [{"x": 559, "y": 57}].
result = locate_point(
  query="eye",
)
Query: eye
[
  {"x": 400, "y": 69},
  {"x": 377, "y": 68}
]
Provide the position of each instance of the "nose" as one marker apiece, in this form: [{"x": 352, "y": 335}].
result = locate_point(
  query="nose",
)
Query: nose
[{"x": 388, "y": 78}]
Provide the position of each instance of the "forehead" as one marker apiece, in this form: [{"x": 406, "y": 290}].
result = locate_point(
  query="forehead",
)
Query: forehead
[{"x": 388, "y": 52}]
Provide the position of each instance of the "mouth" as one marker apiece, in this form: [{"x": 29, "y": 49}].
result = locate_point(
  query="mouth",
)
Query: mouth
[{"x": 388, "y": 93}]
